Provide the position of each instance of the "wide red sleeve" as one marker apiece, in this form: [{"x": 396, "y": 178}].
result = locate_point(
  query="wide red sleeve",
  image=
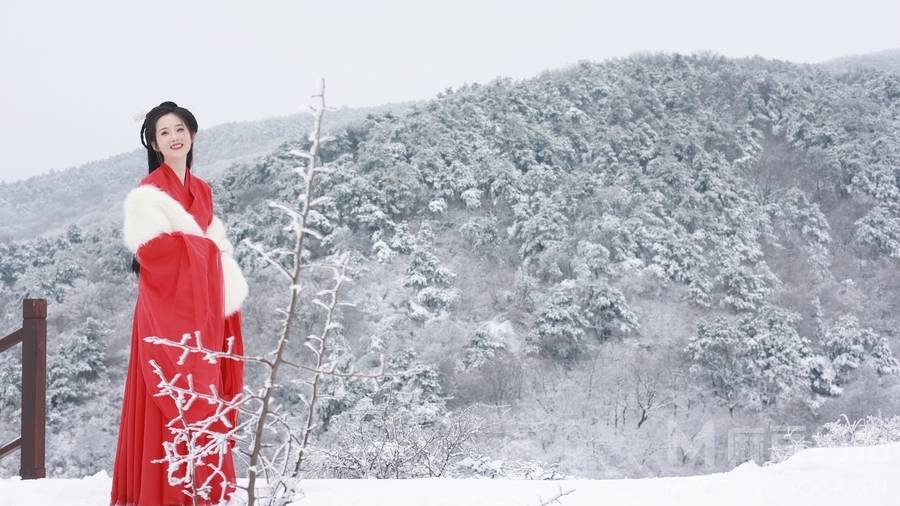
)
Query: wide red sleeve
[
  {"x": 233, "y": 370},
  {"x": 180, "y": 292}
]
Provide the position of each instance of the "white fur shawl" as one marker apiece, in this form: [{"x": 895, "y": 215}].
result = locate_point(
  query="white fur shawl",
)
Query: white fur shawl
[{"x": 150, "y": 212}]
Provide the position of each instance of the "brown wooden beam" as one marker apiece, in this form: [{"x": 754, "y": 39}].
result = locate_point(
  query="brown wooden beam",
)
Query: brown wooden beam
[
  {"x": 10, "y": 447},
  {"x": 11, "y": 340},
  {"x": 34, "y": 387}
]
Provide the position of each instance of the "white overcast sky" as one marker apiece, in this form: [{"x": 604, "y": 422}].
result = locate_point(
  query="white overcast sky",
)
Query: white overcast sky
[{"x": 76, "y": 73}]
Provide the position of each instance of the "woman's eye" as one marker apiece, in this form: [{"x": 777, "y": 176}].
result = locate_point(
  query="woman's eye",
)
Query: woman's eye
[{"x": 164, "y": 133}]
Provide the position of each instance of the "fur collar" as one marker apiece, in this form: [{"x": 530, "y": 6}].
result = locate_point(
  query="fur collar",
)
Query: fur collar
[{"x": 150, "y": 212}]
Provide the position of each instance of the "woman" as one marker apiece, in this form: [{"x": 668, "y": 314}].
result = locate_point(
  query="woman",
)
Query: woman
[{"x": 188, "y": 282}]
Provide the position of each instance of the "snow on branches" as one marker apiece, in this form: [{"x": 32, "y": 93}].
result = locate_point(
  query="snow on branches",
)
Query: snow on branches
[{"x": 196, "y": 443}]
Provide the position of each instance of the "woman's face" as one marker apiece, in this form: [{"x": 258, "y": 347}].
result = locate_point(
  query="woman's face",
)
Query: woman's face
[{"x": 173, "y": 139}]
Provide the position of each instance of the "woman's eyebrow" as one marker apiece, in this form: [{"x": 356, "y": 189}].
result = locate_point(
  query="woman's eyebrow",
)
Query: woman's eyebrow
[{"x": 166, "y": 128}]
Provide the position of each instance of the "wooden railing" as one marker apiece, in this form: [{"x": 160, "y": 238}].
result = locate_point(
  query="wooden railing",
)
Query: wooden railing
[{"x": 33, "y": 336}]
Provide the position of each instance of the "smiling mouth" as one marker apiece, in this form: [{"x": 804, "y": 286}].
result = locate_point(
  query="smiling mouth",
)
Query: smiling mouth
[{"x": 177, "y": 146}]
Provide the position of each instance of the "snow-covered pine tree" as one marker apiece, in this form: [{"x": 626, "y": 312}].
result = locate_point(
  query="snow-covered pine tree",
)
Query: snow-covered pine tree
[
  {"x": 539, "y": 220},
  {"x": 76, "y": 362},
  {"x": 849, "y": 347},
  {"x": 753, "y": 362},
  {"x": 480, "y": 349},
  {"x": 717, "y": 356},
  {"x": 431, "y": 281},
  {"x": 559, "y": 326},
  {"x": 606, "y": 310}
]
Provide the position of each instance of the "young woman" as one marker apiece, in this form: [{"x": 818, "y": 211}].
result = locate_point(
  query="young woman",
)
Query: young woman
[{"x": 188, "y": 283}]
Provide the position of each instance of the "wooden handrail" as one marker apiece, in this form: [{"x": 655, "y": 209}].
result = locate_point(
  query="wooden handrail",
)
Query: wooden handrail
[
  {"x": 10, "y": 447},
  {"x": 33, "y": 336},
  {"x": 10, "y": 340}
]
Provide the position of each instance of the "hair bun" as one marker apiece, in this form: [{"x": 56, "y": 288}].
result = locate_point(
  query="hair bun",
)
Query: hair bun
[{"x": 168, "y": 103}]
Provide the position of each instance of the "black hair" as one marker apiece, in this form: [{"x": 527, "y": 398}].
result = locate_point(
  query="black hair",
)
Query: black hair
[{"x": 148, "y": 137}]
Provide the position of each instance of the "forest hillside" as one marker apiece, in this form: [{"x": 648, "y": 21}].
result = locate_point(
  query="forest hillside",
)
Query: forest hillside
[{"x": 587, "y": 266}]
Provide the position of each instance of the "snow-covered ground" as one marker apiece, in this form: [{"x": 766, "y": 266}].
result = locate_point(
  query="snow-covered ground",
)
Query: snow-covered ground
[{"x": 814, "y": 477}]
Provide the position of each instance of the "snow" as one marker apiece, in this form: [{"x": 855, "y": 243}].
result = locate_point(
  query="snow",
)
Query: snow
[{"x": 813, "y": 477}]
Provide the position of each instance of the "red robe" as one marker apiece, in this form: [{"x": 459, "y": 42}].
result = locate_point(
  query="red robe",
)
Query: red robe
[{"x": 188, "y": 282}]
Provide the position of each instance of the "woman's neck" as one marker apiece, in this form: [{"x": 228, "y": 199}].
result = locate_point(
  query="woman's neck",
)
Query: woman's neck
[{"x": 179, "y": 166}]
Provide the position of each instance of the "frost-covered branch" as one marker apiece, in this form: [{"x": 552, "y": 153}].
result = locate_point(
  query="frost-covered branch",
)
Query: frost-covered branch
[
  {"x": 196, "y": 443},
  {"x": 267, "y": 256},
  {"x": 209, "y": 355},
  {"x": 333, "y": 372},
  {"x": 280, "y": 465},
  {"x": 285, "y": 485},
  {"x": 555, "y": 499}
]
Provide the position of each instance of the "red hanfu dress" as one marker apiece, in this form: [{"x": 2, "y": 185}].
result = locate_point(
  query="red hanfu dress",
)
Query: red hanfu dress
[{"x": 188, "y": 282}]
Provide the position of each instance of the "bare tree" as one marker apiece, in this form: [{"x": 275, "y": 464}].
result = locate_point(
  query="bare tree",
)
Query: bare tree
[{"x": 647, "y": 393}]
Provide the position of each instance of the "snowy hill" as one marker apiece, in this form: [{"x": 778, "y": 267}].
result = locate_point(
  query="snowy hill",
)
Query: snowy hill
[
  {"x": 887, "y": 60},
  {"x": 580, "y": 261},
  {"x": 813, "y": 477}
]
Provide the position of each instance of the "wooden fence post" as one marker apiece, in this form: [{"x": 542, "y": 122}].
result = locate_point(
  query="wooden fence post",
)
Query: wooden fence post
[{"x": 34, "y": 388}]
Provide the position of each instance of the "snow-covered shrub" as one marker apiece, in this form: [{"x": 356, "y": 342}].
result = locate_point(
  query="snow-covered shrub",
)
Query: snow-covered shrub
[
  {"x": 872, "y": 430},
  {"x": 383, "y": 440},
  {"x": 475, "y": 465},
  {"x": 869, "y": 431}
]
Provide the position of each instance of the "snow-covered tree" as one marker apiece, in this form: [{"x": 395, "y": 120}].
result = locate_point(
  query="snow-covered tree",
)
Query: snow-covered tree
[
  {"x": 540, "y": 220},
  {"x": 753, "y": 362},
  {"x": 849, "y": 347},
  {"x": 606, "y": 310},
  {"x": 77, "y": 361},
  {"x": 481, "y": 349},
  {"x": 481, "y": 232},
  {"x": 878, "y": 232},
  {"x": 431, "y": 281},
  {"x": 559, "y": 327}
]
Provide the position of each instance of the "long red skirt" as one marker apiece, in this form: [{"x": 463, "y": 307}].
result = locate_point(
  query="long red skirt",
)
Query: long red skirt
[{"x": 138, "y": 482}]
